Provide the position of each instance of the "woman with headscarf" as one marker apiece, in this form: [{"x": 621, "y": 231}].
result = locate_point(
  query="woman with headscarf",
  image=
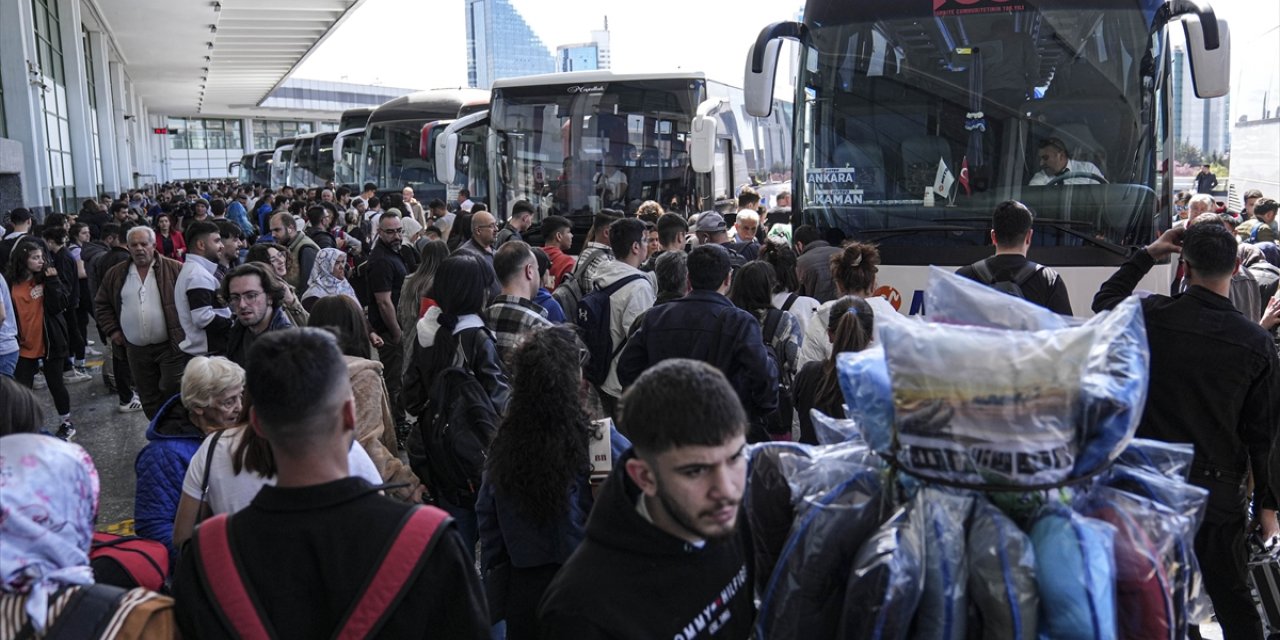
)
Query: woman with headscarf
[
  {"x": 49, "y": 499},
  {"x": 328, "y": 278}
]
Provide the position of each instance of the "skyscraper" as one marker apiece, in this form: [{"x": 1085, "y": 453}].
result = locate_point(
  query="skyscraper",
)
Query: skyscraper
[
  {"x": 1199, "y": 123},
  {"x": 586, "y": 56},
  {"x": 500, "y": 44}
]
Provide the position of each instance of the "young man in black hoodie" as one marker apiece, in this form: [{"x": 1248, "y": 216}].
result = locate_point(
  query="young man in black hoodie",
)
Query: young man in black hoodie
[{"x": 663, "y": 556}]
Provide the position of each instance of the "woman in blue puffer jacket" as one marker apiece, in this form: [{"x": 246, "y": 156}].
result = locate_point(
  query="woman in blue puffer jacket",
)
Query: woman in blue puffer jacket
[{"x": 210, "y": 400}]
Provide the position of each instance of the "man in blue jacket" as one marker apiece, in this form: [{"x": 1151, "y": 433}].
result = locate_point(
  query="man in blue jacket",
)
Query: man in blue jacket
[{"x": 704, "y": 325}]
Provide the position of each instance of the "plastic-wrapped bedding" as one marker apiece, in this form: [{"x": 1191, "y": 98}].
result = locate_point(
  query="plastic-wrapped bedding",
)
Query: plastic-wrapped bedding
[
  {"x": 1002, "y": 577},
  {"x": 1114, "y": 388},
  {"x": 1172, "y": 459},
  {"x": 1190, "y": 601},
  {"x": 805, "y": 595},
  {"x": 944, "y": 603},
  {"x": 868, "y": 395},
  {"x": 834, "y": 430},
  {"x": 887, "y": 580},
  {"x": 1143, "y": 541},
  {"x": 768, "y": 505},
  {"x": 953, "y": 299},
  {"x": 1077, "y": 597}
]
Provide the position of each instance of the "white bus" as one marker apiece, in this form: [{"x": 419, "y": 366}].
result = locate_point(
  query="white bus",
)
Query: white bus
[
  {"x": 574, "y": 143},
  {"x": 1255, "y": 135},
  {"x": 889, "y": 90}
]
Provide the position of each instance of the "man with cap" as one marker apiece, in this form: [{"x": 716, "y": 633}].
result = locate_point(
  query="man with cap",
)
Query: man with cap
[{"x": 711, "y": 229}]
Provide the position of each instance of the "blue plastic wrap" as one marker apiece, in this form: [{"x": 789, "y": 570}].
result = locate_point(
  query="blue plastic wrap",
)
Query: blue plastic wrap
[
  {"x": 953, "y": 299},
  {"x": 944, "y": 604},
  {"x": 804, "y": 597},
  {"x": 868, "y": 395},
  {"x": 834, "y": 430},
  {"x": 1114, "y": 388},
  {"x": 1077, "y": 597},
  {"x": 1002, "y": 576},
  {"x": 1146, "y": 533},
  {"x": 887, "y": 580},
  {"x": 1172, "y": 459}
]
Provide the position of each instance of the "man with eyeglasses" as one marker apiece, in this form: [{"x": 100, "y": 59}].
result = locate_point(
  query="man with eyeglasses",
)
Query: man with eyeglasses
[
  {"x": 385, "y": 276},
  {"x": 256, "y": 298},
  {"x": 484, "y": 228},
  {"x": 136, "y": 310}
]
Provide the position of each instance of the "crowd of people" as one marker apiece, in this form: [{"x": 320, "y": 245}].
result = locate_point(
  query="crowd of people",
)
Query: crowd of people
[{"x": 370, "y": 416}]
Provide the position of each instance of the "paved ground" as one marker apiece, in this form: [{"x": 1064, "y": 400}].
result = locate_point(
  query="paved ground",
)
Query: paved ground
[{"x": 111, "y": 437}]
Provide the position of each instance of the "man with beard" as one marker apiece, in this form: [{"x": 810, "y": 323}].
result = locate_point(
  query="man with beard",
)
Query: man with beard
[
  {"x": 256, "y": 298},
  {"x": 663, "y": 556}
]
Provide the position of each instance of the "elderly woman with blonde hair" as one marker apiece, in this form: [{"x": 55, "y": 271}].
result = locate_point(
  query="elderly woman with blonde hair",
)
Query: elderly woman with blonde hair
[{"x": 211, "y": 399}]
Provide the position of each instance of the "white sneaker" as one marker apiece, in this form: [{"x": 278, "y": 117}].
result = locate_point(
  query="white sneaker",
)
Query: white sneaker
[
  {"x": 90, "y": 351},
  {"x": 75, "y": 375},
  {"x": 131, "y": 406}
]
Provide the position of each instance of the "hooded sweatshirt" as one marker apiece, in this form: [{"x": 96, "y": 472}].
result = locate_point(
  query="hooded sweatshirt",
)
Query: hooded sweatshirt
[{"x": 630, "y": 579}]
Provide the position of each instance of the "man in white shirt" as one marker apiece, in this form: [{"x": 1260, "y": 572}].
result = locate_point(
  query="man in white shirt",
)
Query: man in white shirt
[
  {"x": 1055, "y": 161},
  {"x": 135, "y": 307}
]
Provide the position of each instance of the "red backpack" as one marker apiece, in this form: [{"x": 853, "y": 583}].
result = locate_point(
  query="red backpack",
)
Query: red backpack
[
  {"x": 400, "y": 564},
  {"x": 145, "y": 561}
]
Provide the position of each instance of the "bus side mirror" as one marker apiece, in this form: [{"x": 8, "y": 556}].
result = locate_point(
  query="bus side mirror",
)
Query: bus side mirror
[
  {"x": 447, "y": 161},
  {"x": 702, "y": 137},
  {"x": 1210, "y": 67},
  {"x": 757, "y": 86}
]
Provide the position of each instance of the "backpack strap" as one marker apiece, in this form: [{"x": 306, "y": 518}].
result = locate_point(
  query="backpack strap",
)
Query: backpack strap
[
  {"x": 224, "y": 581},
  {"x": 984, "y": 273},
  {"x": 1024, "y": 275},
  {"x": 208, "y": 464},
  {"x": 791, "y": 299},
  {"x": 401, "y": 562},
  {"x": 772, "y": 318},
  {"x": 613, "y": 288},
  {"x": 586, "y": 267},
  {"x": 87, "y": 613}
]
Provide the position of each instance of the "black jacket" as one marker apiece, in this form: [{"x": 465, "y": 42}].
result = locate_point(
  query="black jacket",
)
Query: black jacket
[
  {"x": 1215, "y": 382},
  {"x": 241, "y": 338},
  {"x": 483, "y": 360},
  {"x": 1045, "y": 288},
  {"x": 705, "y": 326},
  {"x": 813, "y": 267},
  {"x": 307, "y": 553},
  {"x": 630, "y": 579}
]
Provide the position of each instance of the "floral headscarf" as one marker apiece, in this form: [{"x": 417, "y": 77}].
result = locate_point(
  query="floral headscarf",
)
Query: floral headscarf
[
  {"x": 48, "y": 502},
  {"x": 322, "y": 281}
]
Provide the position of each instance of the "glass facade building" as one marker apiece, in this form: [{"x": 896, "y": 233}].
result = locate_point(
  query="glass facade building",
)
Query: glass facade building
[
  {"x": 578, "y": 57},
  {"x": 500, "y": 44},
  {"x": 56, "y": 112}
]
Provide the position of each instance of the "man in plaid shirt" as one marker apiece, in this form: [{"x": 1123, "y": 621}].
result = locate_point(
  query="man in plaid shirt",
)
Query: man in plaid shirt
[{"x": 514, "y": 313}]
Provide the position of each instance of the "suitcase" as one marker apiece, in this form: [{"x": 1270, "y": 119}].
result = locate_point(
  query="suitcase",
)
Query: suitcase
[{"x": 1264, "y": 573}]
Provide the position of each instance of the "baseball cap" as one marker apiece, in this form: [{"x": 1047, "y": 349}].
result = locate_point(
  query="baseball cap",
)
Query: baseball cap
[{"x": 710, "y": 222}]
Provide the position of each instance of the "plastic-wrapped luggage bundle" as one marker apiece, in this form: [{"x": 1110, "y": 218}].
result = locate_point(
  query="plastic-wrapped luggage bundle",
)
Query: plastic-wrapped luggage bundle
[
  {"x": 1002, "y": 576},
  {"x": 804, "y": 597},
  {"x": 1077, "y": 597},
  {"x": 887, "y": 580}
]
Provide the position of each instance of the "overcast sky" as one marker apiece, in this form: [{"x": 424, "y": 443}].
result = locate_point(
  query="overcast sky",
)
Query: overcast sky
[{"x": 421, "y": 44}]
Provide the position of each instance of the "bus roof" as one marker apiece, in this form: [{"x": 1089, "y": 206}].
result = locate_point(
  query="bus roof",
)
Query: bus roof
[
  {"x": 354, "y": 118},
  {"x": 433, "y": 104},
  {"x": 573, "y": 77},
  {"x": 280, "y": 142}
]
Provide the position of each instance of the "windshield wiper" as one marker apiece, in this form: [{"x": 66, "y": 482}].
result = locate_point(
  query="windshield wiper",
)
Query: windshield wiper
[
  {"x": 1069, "y": 227},
  {"x": 881, "y": 234}
]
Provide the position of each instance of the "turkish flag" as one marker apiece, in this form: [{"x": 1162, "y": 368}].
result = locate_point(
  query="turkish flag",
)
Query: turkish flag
[{"x": 964, "y": 175}]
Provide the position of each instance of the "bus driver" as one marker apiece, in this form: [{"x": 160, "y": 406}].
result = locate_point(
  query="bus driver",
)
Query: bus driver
[{"x": 1055, "y": 160}]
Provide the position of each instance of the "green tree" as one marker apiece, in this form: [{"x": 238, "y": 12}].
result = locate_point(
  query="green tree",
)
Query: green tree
[{"x": 1187, "y": 153}]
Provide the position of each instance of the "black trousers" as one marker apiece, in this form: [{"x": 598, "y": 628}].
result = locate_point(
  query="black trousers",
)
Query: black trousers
[
  {"x": 1224, "y": 558},
  {"x": 25, "y": 373},
  {"x": 157, "y": 373}
]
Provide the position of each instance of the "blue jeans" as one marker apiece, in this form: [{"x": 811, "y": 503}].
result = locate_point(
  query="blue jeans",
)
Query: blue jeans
[{"x": 8, "y": 362}]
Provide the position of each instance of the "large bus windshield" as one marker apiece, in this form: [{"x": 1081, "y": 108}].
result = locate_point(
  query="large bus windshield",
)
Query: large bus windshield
[
  {"x": 572, "y": 149},
  {"x": 1054, "y": 106},
  {"x": 391, "y": 151}
]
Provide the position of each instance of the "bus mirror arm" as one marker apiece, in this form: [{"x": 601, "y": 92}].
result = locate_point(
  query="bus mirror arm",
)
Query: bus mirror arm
[
  {"x": 794, "y": 30},
  {"x": 1208, "y": 20}
]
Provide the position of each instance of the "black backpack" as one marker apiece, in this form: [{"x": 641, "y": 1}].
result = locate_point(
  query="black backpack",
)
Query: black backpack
[
  {"x": 593, "y": 316},
  {"x": 457, "y": 426},
  {"x": 783, "y": 353},
  {"x": 1012, "y": 287}
]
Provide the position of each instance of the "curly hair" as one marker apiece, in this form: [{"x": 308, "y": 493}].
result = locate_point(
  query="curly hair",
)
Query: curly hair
[{"x": 542, "y": 444}]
